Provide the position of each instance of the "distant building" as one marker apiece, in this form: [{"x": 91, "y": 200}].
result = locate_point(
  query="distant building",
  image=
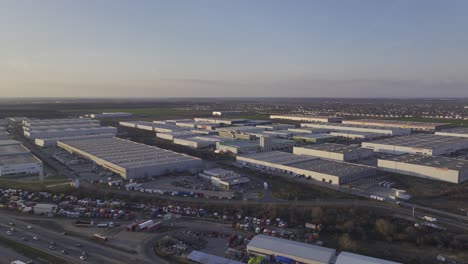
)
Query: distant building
[
  {"x": 424, "y": 126},
  {"x": 309, "y": 118}
]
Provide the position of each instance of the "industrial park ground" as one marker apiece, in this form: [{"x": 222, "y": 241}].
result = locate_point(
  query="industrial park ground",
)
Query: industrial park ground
[{"x": 352, "y": 223}]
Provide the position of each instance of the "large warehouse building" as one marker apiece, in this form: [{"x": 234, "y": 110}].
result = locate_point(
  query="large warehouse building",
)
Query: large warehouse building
[
  {"x": 454, "y": 132},
  {"x": 434, "y": 168},
  {"x": 427, "y": 144},
  {"x": 422, "y": 126},
  {"x": 69, "y": 132},
  {"x": 391, "y": 131},
  {"x": 130, "y": 159},
  {"x": 17, "y": 159},
  {"x": 349, "y": 153},
  {"x": 46, "y": 130},
  {"x": 351, "y": 258},
  {"x": 53, "y": 122},
  {"x": 333, "y": 172},
  {"x": 300, "y": 252},
  {"x": 309, "y": 118}
]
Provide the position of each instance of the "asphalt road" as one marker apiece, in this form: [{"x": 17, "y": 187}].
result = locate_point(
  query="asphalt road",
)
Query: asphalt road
[{"x": 97, "y": 253}]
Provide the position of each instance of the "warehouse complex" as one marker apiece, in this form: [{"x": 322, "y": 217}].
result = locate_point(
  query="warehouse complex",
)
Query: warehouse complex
[
  {"x": 434, "y": 168},
  {"x": 391, "y": 131},
  {"x": 130, "y": 159},
  {"x": 335, "y": 152},
  {"x": 17, "y": 159},
  {"x": 301, "y": 252},
  {"x": 309, "y": 118},
  {"x": 333, "y": 172},
  {"x": 427, "y": 144},
  {"x": 421, "y": 126},
  {"x": 46, "y": 132},
  {"x": 454, "y": 132}
]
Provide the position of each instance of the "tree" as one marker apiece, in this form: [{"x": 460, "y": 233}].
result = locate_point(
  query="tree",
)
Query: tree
[
  {"x": 385, "y": 228},
  {"x": 345, "y": 242}
]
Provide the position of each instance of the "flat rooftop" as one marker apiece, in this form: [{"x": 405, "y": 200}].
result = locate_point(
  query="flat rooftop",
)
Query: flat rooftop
[
  {"x": 426, "y": 141},
  {"x": 279, "y": 157},
  {"x": 332, "y": 147},
  {"x": 125, "y": 153},
  {"x": 285, "y": 247},
  {"x": 431, "y": 161},
  {"x": 18, "y": 159},
  {"x": 6, "y": 142},
  {"x": 314, "y": 136},
  {"x": 335, "y": 168},
  {"x": 455, "y": 130},
  {"x": 342, "y": 126},
  {"x": 217, "y": 171},
  {"x": 239, "y": 143},
  {"x": 17, "y": 149},
  {"x": 351, "y": 258},
  {"x": 398, "y": 122}
]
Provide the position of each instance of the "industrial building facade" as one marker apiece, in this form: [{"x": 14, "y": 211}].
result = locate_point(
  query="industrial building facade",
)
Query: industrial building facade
[
  {"x": 17, "y": 159},
  {"x": 421, "y": 126},
  {"x": 335, "y": 152},
  {"x": 391, "y": 131},
  {"x": 309, "y": 118},
  {"x": 427, "y": 144},
  {"x": 453, "y": 132},
  {"x": 434, "y": 168},
  {"x": 332, "y": 172},
  {"x": 130, "y": 159}
]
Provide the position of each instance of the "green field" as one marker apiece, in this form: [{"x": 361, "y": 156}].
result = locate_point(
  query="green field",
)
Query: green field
[{"x": 154, "y": 112}]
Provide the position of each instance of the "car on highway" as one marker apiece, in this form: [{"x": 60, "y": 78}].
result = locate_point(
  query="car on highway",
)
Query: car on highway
[
  {"x": 28, "y": 227},
  {"x": 36, "y": 238},
  {"x": 83, "y": 258},
  {"x": 52, "y": 247},
  {"x": 64, "y": 252}
]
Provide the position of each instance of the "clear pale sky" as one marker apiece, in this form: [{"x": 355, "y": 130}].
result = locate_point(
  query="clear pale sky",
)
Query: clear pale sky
[{"x": 312, "y": 48}]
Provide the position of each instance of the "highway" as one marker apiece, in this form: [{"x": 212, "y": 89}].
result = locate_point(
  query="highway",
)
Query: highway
[{"x": 73, "y": 246}]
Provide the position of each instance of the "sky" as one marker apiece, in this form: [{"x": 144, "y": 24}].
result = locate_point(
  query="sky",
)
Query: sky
[{"x": 233, "y": 48}]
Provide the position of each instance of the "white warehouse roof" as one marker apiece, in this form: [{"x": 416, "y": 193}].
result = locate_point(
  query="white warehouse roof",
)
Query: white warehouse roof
[
  {"x": 350, "y": 258},
  {"x": 128, "y": 158},
  {"x": 298, "y": 251}
]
